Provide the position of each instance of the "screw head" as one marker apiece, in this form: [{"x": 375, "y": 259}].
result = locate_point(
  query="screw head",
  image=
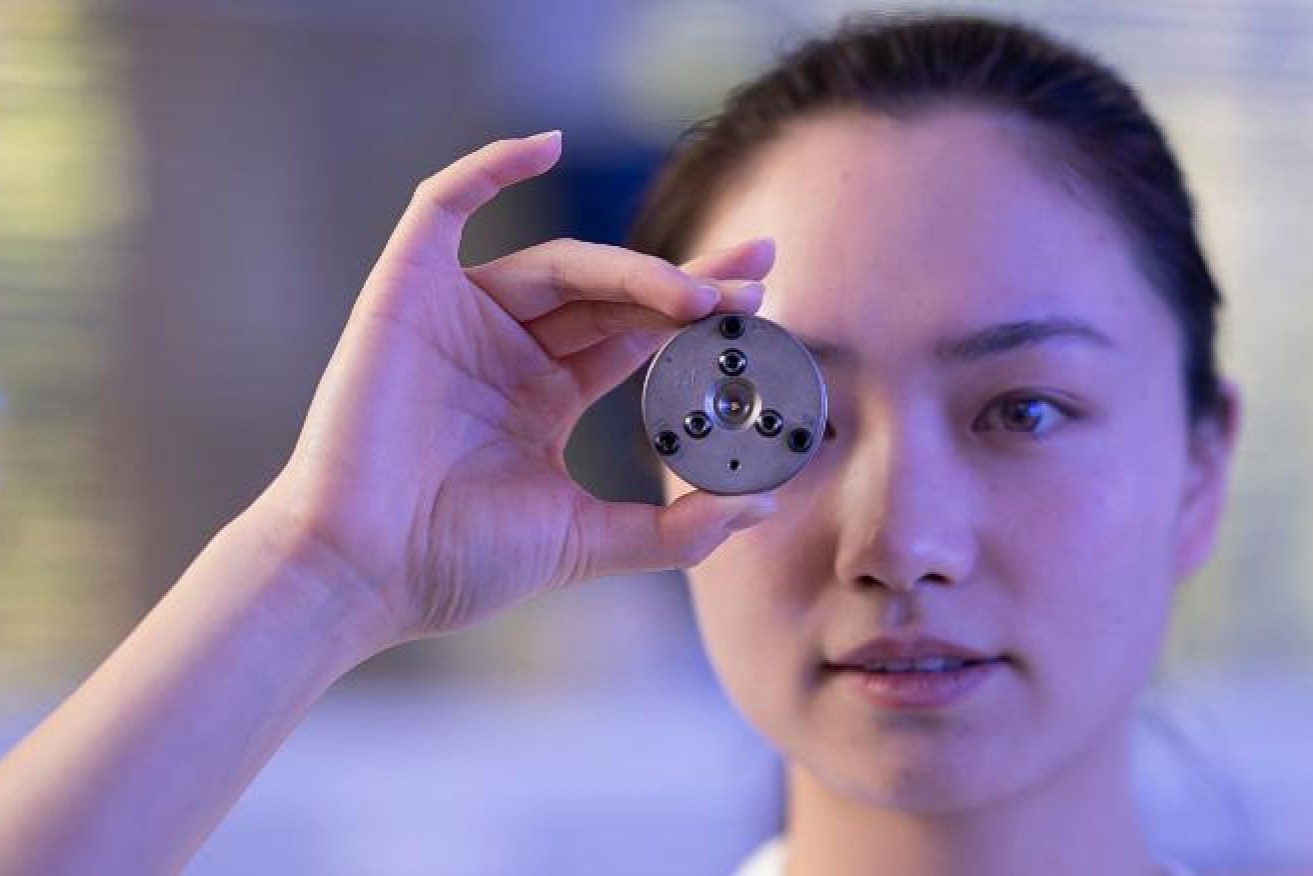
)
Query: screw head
[
  {"x": 731, "y": 326},
  {"x": 800, "y": 440},
  {"x": 697, "y": 424},
  {"x": 732, "y": 362},
  {"x": 667, "y": 443},
  {"x": 770, "y": 422}
]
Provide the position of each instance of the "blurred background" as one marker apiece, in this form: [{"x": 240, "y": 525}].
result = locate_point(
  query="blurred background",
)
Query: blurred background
[{"x": 190, "y": 196}]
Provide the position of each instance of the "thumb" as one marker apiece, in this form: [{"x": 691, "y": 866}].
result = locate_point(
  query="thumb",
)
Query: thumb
[{"x": 622, "y": 537}]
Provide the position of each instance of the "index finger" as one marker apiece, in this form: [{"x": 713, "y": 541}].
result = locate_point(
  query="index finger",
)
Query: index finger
[{"x": 428, "y": 233}]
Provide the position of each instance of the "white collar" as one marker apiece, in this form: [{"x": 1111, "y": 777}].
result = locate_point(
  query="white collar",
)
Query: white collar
[{"x": 768, "y": 860}]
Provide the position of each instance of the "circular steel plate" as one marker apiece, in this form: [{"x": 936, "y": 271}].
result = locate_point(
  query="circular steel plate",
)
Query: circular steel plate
[{"x": 734, "y": 404}]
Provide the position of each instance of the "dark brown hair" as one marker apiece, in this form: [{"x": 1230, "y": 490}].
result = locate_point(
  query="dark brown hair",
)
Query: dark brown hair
[{"x": 1089, "y": 129}]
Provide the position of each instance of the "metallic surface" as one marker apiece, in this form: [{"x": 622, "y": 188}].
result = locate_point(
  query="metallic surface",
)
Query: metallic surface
[{"x": 734, "y": 456}]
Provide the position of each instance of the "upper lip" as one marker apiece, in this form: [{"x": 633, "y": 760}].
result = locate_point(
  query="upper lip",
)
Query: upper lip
[{"x": 886, "y": 648}]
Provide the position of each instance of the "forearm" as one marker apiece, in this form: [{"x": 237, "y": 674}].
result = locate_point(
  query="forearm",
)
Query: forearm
[{"x": 134, "y": 770}]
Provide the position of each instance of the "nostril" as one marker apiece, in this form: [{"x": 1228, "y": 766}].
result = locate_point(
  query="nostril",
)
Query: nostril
[{"x": 901, "y": 585}]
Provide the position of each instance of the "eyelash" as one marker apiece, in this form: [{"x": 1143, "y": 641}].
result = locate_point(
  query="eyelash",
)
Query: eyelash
[{"x": 1063, "y": 412}]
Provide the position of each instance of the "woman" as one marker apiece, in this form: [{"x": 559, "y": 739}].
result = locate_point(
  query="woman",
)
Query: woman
[
  {"x": 941, "y": 628},
  {"x": 992, "y": 247}
]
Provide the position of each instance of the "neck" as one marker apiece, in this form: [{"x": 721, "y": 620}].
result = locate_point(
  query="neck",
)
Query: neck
[{"x": 1081, "y": 822}]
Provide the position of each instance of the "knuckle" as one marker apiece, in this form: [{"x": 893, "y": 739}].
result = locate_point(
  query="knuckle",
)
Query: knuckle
[
  {"x": 659, "y": 266},
  {"x": 634, "y": 278},
  {"x": 663, "y": 273},
  {"x": 568, "y": 246},
  {"x": 577, "y": 562},
  {"x": 484, "y": 181},
  {"x": 558, "y": 278},
  {"x": 601, "y": 321},
  {"x": 431, "y": 194},
  {"x": 693, "y": 552},
  {"x": 426, "y": 189},
  {"x": 492, "y": 147}
]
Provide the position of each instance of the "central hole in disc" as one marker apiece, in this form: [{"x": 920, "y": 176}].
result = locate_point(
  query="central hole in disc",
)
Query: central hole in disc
[{"x": 734, "y": 402}]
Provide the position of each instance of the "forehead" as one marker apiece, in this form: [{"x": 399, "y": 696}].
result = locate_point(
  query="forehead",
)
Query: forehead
[{"x": 926, "y": 227}]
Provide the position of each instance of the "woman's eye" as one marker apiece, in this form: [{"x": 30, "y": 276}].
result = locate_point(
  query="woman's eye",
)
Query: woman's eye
[{"x": 1026, "y": 414}]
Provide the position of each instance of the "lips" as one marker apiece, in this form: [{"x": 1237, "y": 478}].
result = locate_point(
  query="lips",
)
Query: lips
[
  {"x": 913, "y": 690},
  {"x": 913, "y": 654},
  {"x": 918, "y": 673}
]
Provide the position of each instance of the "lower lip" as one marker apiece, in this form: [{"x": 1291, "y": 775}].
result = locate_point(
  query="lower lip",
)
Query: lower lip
[{"x": 917, "y": 690}]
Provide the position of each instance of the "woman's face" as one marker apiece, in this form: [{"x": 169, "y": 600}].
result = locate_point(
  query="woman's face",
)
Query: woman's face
[{"x": 1028, "y": 494}]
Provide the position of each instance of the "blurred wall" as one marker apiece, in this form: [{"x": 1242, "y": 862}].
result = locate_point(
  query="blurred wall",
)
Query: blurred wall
[{"x": 191, "y": 194}]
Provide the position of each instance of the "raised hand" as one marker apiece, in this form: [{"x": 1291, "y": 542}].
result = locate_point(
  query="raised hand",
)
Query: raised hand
[{"x": 430, "y": 469}]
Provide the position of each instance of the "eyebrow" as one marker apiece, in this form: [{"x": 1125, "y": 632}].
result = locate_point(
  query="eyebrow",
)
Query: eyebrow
[{"x": 989, "y": 341}]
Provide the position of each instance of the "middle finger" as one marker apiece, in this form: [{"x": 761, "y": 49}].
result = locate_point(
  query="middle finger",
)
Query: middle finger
[
  {"x": 581, "y": 324},
  {"x": 534, "y": 281}
]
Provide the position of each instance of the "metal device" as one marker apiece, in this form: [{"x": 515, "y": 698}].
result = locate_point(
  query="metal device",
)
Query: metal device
[{"x": 734, "y": 404}]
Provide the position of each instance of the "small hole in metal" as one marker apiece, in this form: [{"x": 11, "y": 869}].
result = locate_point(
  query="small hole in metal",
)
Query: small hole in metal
[
  {"x": 733, "y": 465},
  {"x": 731, "y": 326}
]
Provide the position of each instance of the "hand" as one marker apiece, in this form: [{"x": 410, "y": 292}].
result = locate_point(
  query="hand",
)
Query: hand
[{"x": 430, "y": 470}]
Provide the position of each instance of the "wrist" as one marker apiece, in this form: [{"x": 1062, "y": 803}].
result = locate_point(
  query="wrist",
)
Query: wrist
[{"x": 306, "y": 582}]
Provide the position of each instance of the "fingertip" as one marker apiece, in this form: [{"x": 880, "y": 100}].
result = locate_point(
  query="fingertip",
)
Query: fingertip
[
  {"x": 758, "y": 254},
  {"x": 764, "y": 247},
  {"x": 550, "y": 144},
  {"x": 553, "y": 135},
  {"x": 706, "y": 295},
  {"x": 754, "y": 510},
  {"x": 742, "y": 296},
  {"x": 699, "y": 299}
]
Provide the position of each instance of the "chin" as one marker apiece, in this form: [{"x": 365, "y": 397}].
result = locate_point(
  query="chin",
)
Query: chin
[{"x": 918, "y": 776}]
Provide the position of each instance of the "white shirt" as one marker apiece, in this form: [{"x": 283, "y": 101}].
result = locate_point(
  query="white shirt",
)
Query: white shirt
[{"x": 768, "y": 860}]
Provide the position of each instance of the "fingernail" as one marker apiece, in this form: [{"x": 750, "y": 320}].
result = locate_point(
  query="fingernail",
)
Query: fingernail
[
  {"x": 708, "y": 294},
  {"x": 761, "y": 508},
  {"x": 544, "y": 136},
  {"x": 739, "y": 285},
  {"x": 652, "y": 338}
]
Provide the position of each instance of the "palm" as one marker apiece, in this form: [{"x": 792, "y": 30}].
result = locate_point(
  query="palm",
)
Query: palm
[
  {"x": 496, "y": 517},
  {"x": 432, "y": 458}
]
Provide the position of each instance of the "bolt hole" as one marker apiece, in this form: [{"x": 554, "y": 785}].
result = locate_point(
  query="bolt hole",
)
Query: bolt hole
[
  {"x": 667, "y": 443},
  {"x": 732, "y": 362},
  {"x": 697, "y": 424},
  {"x": 800, "y": 440},
  {"x": 733, "y": 465},
  {"x": 770, "y": 422}
]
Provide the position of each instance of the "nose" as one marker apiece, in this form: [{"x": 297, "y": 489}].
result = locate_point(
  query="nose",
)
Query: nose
[{"x": 905, "y": 511}]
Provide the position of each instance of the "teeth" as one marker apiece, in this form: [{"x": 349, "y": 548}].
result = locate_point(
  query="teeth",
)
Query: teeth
[{"x": 922, "y": 664}]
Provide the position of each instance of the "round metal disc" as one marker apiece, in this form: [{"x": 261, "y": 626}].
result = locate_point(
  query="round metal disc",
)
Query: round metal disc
[{"x": 734, "y": 404}]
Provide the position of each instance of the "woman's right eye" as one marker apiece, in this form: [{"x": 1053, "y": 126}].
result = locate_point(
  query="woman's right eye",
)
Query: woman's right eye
[{"x": 1023, "y": 415}]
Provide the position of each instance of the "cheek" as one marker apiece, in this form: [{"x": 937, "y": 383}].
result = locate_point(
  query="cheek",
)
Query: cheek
[
  {"x": 1090, "y": 559},
  {"x": 755, "y": 616}
]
